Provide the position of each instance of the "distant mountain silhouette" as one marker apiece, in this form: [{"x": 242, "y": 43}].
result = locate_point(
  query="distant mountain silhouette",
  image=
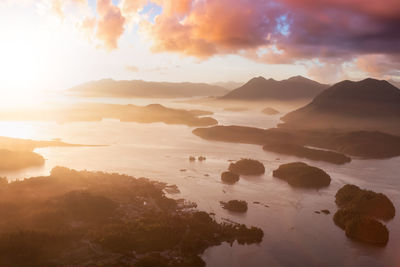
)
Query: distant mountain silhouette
[
  {"x": 138, "y": 88},
  {"x": 229, "y": 85},
  {"x": 293, "y": 88},
  {"x": 368, "y": 104}
]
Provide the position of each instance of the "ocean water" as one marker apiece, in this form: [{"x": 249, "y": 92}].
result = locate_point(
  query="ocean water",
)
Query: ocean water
[{"x": 294, "y": 234}]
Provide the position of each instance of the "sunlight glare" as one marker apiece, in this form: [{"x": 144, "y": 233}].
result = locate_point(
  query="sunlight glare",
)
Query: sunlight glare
[
  {"x": 23, "y": 130},
  {"x": 28, "y": 55}
]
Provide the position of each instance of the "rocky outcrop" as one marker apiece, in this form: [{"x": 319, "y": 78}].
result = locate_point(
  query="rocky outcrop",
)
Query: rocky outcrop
[
  {"x": 229, "y": 177},
  {"x": 365, "y": 202},
  {"x": 299, "y": 174},
  {"x": 360, "y": 212},
  {"x": 235, "y": 205},
  {"x": 247, "y": 167}
]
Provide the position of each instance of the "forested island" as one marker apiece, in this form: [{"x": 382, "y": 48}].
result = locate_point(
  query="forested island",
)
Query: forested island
[
  {"x": 299, "y": 174},
  {"x": 17, "y": 154},
  {"x": 324, "y": 145},
  {"x": 126, "y": 113},
  {"x": 360, "y": 212},
  {"x": 96, "y": 218}
]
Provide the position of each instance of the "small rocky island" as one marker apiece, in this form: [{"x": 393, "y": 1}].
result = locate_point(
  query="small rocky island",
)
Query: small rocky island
[
  {"x": 229, "y": 177},
  {"x": 101, "y": 219},
  {"x": 359, "y": 214},
  {"x": 247, "y": 167},
  {"x": 365, "y": 202},
  {"x": 235, "y": 205},
  {"x": 299, "y": 174}
]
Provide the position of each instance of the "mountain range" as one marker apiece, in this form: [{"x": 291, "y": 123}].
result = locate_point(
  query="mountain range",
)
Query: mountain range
[
  {"x": 294, "y": 88},
  {"x": 138, "y": 88}
]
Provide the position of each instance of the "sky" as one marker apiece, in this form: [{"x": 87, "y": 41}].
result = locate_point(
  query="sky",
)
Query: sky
[{"x": 56, "y": 44}]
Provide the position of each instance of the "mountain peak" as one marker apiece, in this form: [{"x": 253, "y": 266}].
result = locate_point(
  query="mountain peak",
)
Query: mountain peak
[
  {"x": 259, "y": 78},
  {"x": 369, "y": 87},
  {"x": 260, "y": 88},
  {"x": 298, "y": 78},
  {"x": 369, "y": 79},
  {"x": 367, "y": 104},
  {"x": 301, "y": 79},
  {"x": 372, "y": 81}
]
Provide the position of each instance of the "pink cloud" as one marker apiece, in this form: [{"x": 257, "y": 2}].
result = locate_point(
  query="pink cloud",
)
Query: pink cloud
[
  {"x": 270, "y": 31},
  {"x": 110, "y": 25},
  {"x": 205, "y": 28},
  {"x": 330, "y": 30},
  {"x": 380, "y": 65}
]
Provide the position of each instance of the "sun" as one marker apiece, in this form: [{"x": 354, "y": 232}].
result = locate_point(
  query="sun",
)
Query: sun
[
  {"x": 28, "y": 56},
  {"x": 20, "y": 60}
]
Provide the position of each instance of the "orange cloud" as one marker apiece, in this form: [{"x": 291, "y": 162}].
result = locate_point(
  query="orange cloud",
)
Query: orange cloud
[
  {"x": 57, "y": 6},
  {"x": 88, "y": 26},
  {"x": 379, "y": 65},
  {"x": 107, "y": 27},
  {"x": 132, "y": 68},
  {"x": 280, "y": 31},
  {"x": 328, "y": 72},
  {"x": 110, "y": 25},
  {"x": 169, "y": 35},
  {"x": 269, "y": 31},
  {"x": 177, "y": 7},
  {"x": 131, "y": 7},
  {"x": 205, "y": 28}
]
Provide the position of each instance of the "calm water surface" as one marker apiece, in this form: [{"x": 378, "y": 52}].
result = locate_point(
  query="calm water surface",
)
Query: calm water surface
[{"x": 294, "y": 234}]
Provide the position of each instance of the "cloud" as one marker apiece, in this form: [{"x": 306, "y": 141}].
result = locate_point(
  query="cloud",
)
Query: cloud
[
  {"x": 282, "y": 31},
  {"x": 269, "y": 31},
  {"x": 206, "y": 28},
  {"x": 107, "y": 24},
  {"x": 380, "y": 65},
  {"x": 329, "y": 72},
  {"x": 380, "y": 8},
  {"x": 331, "y": 29},
  {"x": 130, "y": 8},
  {"x": 132, "y": 68},
  {"x": 58, "y": 7},
  {"x": 87, "y": 26},
  {"x": 177, "y": 7},
  {"x": 300, "y": 28},
  {"x": 110, "y": 25}
]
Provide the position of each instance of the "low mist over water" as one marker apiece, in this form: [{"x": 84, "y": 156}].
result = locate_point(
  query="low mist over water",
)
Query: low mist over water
[{"x": 285, "y": 214}]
